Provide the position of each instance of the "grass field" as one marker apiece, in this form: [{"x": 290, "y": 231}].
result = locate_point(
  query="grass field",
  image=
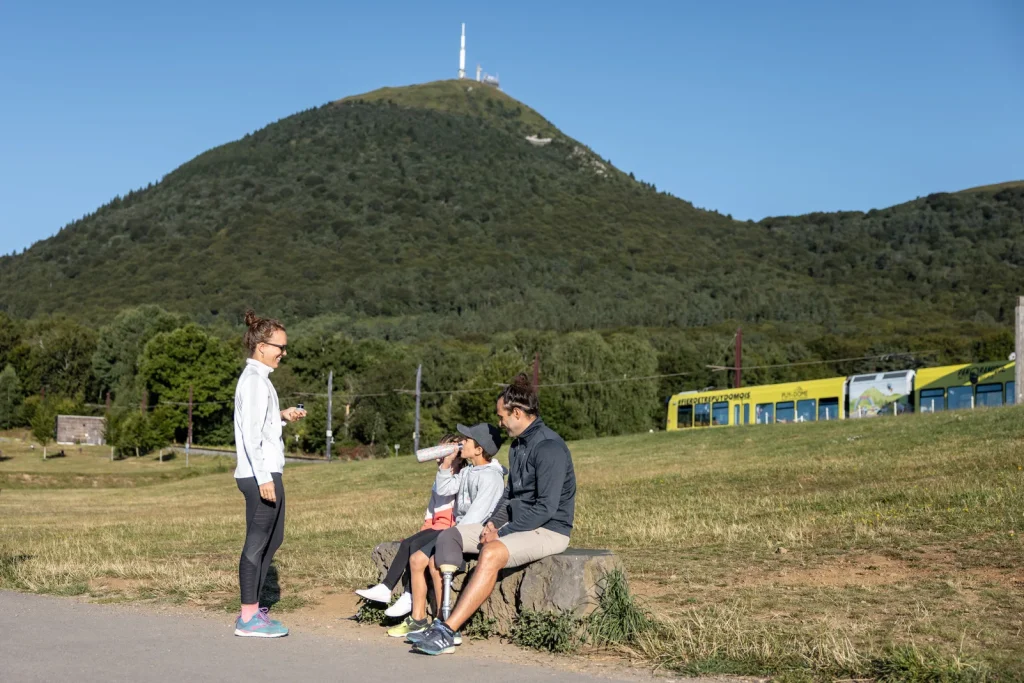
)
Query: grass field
[
  {"x": 814, "y": 547},
  {"x": 22, "y": 466}
]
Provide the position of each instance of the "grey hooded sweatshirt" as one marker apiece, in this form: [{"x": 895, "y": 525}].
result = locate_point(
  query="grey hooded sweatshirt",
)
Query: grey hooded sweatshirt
[{"x": 478, "y": 490}]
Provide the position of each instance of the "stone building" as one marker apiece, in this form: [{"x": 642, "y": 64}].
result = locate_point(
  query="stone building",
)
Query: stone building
[{"x": 78, "y": 429}]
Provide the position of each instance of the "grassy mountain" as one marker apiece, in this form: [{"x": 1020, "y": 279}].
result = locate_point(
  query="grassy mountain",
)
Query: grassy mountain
[{"x": 426, "y": 210}]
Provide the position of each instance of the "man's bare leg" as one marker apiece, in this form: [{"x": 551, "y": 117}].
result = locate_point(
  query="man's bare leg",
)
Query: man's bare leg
[
  {"x": 417, "y": 576},
  {"x": 493, "y": 557}
]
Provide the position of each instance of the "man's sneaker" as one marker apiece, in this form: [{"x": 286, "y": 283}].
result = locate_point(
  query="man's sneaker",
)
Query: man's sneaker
[
  {"x": 407, "y": 627},
  {"x": 439, "y": 640},
  {"x": 379, "y": 593},
  {"x": 414, "y": 638},
  {"x": 401, "y": 607},
  {"x": 260, "y": 626}
]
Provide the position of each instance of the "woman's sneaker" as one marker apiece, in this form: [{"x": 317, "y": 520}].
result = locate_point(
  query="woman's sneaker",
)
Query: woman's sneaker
[
  {"x": 260, "y": 626},
  {"x": 379, "y": 593},
  {"x": 265, "y": 611},
  {"x": 408, "y": 627},
  {"x": 401, "y": 607}
]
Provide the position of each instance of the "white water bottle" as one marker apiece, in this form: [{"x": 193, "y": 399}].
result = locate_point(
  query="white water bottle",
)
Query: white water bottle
[{"x": 437, "y": 452}]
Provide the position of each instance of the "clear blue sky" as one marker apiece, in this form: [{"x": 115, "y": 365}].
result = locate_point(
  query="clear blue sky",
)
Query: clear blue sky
[{"x": 752, "y": 108}]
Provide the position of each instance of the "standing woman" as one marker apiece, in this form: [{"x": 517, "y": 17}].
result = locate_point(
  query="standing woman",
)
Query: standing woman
[{"x": 260, "y": 451}]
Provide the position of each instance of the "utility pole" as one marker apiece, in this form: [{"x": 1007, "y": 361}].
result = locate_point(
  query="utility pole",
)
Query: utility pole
[
  {"x": 108, "y": 401},
  {"x": 1018, "y": 387},
  {"x": 330, "y": 409},
  {"x": 144, "y": 403},
  {"x": 416, "y": 429},
  {"x": 188, "y": 440},
  {"x": 739, "y": 358}
]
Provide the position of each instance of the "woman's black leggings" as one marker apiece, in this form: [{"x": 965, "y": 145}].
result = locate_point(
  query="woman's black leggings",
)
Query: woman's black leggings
[
  {"x": 264, "y": 531},
  {"x": 418, "y": 541}
]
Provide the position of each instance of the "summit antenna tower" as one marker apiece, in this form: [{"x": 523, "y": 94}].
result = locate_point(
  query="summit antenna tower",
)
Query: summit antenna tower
[{"x": 462, "y": 54}]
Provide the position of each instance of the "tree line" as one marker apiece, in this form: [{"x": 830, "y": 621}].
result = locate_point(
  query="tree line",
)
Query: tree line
[{"x": 147, "y": 360}]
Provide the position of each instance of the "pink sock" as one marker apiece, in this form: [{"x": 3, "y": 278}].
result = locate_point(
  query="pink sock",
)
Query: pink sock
[{"x": 249, "y": 611}]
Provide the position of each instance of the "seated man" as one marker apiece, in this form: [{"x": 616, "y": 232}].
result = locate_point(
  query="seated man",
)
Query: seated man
[{"x": 532, "y": 520}]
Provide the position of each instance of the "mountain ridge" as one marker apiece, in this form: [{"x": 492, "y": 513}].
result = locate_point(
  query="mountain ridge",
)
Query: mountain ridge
[{"x": 427, "y": 210}]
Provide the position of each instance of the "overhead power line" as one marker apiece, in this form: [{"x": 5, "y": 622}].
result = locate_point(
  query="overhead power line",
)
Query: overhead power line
[{"x": 351, "y": 398}]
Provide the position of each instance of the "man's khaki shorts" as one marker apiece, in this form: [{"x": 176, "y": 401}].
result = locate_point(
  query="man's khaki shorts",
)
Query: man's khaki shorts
[{"x": 524, "y": 547}]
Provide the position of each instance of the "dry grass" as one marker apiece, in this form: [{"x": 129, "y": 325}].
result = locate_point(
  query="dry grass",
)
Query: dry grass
[{"x": 818, "y": 546}]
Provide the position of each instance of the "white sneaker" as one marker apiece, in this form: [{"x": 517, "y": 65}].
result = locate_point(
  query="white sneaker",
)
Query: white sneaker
[
  {"x": 379, "y": 593},
  {"x": 401, "y": 607}
]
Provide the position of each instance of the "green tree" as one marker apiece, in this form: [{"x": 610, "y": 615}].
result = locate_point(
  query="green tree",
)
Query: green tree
[
  {"x": 600, "y": 393},
  {"x": 173, "y": 361},
  {"x": 312, "y": 430},
  {"x": 115, "y": 362},
  {"x": 381, "y": 415},
  {"x": 55, "y": 355},
  {"x": 476, "y": 402},
  {"x": 43, "y": 424},
  {"x": 134, "y": 433},
  {"x": 10, "y": 397}
]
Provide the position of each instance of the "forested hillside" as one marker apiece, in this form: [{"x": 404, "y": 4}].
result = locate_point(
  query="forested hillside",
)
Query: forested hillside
[
  {"x": 450, "y": 225},
  {"x": 425, "y": 210}
]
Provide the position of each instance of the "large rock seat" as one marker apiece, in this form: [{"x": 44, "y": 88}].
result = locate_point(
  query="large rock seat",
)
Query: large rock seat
[{"x": 568, "y": 582}]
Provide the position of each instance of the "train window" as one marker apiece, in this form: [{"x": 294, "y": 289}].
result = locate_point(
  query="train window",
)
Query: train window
[
  {"x": 828, "y": 409},
  {"x": 960, "y": 397},
  {"x": 805, "y": 410},
  {"x": 932, "y": 400},
  {"x": 764, "y": 414},
  {"x": 746, "y": 413},
  {"x": 684, "y": 417},
  {"x": 720, "y": 413},
  {"x": 1011, "y": 393},
  {"x": 990, "y": 394},
  {"x": 702, "y": 415},
  {"x": 894, "y": 375},
  {"x": 784, "y": 412}
]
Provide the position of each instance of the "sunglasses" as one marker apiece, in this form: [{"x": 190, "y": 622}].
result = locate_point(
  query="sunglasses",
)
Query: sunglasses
[{"x": 283, "y": 347}]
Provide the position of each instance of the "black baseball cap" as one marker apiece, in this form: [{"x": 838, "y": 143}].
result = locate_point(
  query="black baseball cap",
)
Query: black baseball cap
[{"x": 487, "y": 435}]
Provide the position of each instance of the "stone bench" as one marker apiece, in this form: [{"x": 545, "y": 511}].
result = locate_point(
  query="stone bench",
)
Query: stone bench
[{"x": 568, "y": 582}]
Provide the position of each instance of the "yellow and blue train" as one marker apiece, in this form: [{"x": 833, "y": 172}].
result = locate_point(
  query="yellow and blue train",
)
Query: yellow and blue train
[{"x": 951, "y": 387}]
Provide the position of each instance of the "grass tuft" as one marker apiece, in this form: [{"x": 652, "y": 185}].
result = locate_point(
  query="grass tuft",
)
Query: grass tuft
[
  {"x": 479, "y": 627},
  {"x": 618, "y": 619},
  {"x": 558, "y": 632},
  {"x": 373, "y": 613}
]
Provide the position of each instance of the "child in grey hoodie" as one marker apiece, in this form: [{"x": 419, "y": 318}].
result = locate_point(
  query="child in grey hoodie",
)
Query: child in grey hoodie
[{"x": 478, "y": 486}]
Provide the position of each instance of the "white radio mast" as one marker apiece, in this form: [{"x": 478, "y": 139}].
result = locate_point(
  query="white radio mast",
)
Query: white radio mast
[{"x": 462, "y": 54}]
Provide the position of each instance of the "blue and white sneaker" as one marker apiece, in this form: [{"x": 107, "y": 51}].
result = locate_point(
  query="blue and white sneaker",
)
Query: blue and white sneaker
[
  {"x": 437, "y": 640},
  {"x": 260, "y": 626},
  {"x": 266, "y": 613},
  {"x": 416, "y": 637}
]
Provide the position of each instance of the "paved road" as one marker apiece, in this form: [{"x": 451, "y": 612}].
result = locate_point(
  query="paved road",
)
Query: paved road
[{"x": 53, "y": 639}]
